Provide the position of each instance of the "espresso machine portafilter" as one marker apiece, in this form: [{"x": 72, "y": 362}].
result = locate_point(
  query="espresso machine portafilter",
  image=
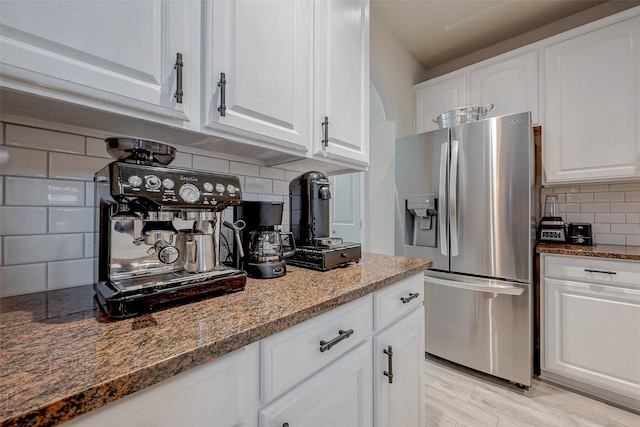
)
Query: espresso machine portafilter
[{"x": 159, "y": 230}]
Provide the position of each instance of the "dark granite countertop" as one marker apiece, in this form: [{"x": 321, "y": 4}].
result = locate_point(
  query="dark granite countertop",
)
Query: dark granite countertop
[
  {"x": 599, "y": 251},
  {"x": 60, "y": 356}
]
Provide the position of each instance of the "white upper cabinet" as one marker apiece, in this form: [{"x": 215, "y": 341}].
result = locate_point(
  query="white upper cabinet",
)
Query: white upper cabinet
[
  {"x": 263, "y": 48},
  {"x": 592, "y": 105},
  {"x": 113, "y": 56},
  {"x": 341, "y": 81},
  {"x": 438, "y": 96},
  {"x": 511, "y": 85}
]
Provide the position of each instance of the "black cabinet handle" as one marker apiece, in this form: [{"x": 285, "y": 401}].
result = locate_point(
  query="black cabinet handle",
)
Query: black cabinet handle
[
  {"x": 389, "y": 352},
  {"x": 342, "y": 335},
  {"x": 590, "y": 270},
  {"x": 222, "y": 83},
  {"x": 178, "y": 67},
  {"x": 410, "y": 297},
  {"x": 325, "y": 132}
]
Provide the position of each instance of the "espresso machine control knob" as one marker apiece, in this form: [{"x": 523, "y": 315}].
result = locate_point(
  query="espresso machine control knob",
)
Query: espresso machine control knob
[
  {"x": 168, "y": 254},
  {"x": 189, "y": 193},
  {"x": 220, "y": 188},
  {"x": 134, "y": 181},
  {"x": 231, "y": 188},
  {"x": 153, "y": 182},
  {"x": 208, "y": 187},
  {"x": 168, "y": 183}
]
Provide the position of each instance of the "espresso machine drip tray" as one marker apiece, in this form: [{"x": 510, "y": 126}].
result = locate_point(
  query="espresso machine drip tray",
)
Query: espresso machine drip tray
[{"x": 133, "y": 296}]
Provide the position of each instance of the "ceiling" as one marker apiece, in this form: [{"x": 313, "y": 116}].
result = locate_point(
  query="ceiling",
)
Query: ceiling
[{"x": 438, "y": 31}]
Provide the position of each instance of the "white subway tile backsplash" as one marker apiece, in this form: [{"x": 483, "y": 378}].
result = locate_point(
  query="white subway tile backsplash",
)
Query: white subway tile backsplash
[
  {"x": 594, "y": 188},
  {"x": 42, "y": 248},
  {"x": 23, "y": 136},
  {"x": 90, "y": 245},
  {"x": 633, "y": 217},
  {"x": 633, "y": 240},
  {"x": 617, "y": 196},
  {"x": 625, "y": 187},
  {"x": 580, "y": 217},
  {"x": 22, "y": 279},
  {"x": 609, "y": 239},
  {"x": 71, "y": 220},
  {"x": 565, "y": 207},
  {"x": 625, "y": 207},
  {"x": 23, "y": 162},
  {"x": 601, "y": 228},
  {"x": 258, "y": 185},
  {"x": 43, "y": 192},
  {"x": 15, "y": 221},
  {"x": 210, "y": 164},
  {"x": 281, "y": 187},
  {"x": 70, "y": 166},
  {"x": 238, "y": 168},
  {"x": 182, "y": 160},
  {"x": 65, "y": 274},
  {"x": 625, "y": 228},
  {"x": 631, "y": 196},
  {"x": 273, "y": 173},
  {"x": 544, "y": 191},
  {"x": 96, "y": 147},
  {"x": 249, "y": 196},
  {"x": 1, "y": 190},
  {"x": 594, "y": 207},
  {"x": 566, "y": 189},
  {"x": 270, "y": 198},
  {"x": 90, "y": 193},
  {"x": 289, "y": 175},
  {"x": 610, "y": 218},
  {"x": 580, "y": 198}
]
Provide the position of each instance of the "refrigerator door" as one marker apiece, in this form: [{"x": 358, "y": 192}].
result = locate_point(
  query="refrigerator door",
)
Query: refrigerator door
[
  {"x": 421, "y": 170},
  {"x": 480, "y": 323},
  {"x": 490, "y": 202}
]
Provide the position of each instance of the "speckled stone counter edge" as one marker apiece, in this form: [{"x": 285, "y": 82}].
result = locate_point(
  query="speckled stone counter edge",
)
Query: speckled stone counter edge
[
  {"x": 631, "y": 253},
  {"x": 64, "y": 409}
]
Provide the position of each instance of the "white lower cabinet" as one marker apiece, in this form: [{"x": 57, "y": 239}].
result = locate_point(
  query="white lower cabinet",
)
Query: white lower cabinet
[
  {"x": 398, "y": 353},
  {"x": 217, "y": 394},
  {"x": 591, "y": 326},
  {"x": 337, "y": 396}
]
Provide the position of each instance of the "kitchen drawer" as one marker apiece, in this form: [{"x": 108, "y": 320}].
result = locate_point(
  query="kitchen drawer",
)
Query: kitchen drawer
[
  {"x": 289, "y": 357},
  {"x": 395, "y": 302},
  {"x": 607, "y": 271}
]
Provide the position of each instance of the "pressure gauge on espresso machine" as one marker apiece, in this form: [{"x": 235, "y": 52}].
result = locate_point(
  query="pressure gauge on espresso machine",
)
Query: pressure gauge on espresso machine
[{"x": 189, "y": 193}]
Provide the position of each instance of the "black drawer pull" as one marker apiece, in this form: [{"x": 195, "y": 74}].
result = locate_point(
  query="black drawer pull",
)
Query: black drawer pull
[
  {"x": 343, "y": 335},
  {"x": 222, "y": 84},
  {"x": 178, "y": 67},
  {"x": 410, "y": 297},
  {"x": 389, "y": 352},
  {"x": 589, "y": 270}
]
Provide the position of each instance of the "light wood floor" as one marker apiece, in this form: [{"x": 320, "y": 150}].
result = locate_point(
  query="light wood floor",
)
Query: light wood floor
[{"x": 454, "y": 398}]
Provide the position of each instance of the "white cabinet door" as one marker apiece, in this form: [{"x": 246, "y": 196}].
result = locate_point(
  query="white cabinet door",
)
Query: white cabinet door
[
  {"x": 438, "y": 96},
  {"x": 221, "y": 393},
  {"x": 337, "y": 396},
  {"x": 399, "y": 350},
  {"x": 592, "y": 105},
  {"x": 592, "y": 335},
  {"x": 114, "y": 56},
  {"x": 511, "y": 85},
  {"x": 264, "y": 50},
  {"x": 341, "y": 87}
]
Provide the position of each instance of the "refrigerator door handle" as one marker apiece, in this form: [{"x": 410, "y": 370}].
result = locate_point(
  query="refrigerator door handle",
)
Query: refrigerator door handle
[
  {"x": 442, "y": 219},
  {"x": 453, "y": 183},
  {"x": 477, "y": 287}
]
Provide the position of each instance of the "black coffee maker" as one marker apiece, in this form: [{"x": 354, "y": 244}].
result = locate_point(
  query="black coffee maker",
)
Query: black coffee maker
[
  {"x": 309, "y": 215},
  {"x": 265, "y": 248}
]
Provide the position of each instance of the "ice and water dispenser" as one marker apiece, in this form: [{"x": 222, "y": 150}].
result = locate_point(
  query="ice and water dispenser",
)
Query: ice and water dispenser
[{"x": 421, "y": 224}]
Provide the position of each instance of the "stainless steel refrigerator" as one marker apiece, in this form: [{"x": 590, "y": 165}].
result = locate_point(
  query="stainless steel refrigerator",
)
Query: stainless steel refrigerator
[{"x": 464, "y": 199}]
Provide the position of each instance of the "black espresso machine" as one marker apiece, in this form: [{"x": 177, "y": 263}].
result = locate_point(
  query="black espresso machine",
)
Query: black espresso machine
[
  {"x": 309, "y": 216},
  {"x": 159, "y": 230}
]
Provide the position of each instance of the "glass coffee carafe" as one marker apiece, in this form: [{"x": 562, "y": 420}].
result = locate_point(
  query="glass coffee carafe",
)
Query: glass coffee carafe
[{"x": 267, "y": 246}]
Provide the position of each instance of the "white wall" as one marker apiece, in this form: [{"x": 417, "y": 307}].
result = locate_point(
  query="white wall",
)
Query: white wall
[
  {"x": 47, "y": 236},
  {"x": 393, "y": 74}
]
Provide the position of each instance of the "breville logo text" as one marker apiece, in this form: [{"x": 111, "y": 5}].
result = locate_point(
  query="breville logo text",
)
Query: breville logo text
[{"x": 188, "y": 178}]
